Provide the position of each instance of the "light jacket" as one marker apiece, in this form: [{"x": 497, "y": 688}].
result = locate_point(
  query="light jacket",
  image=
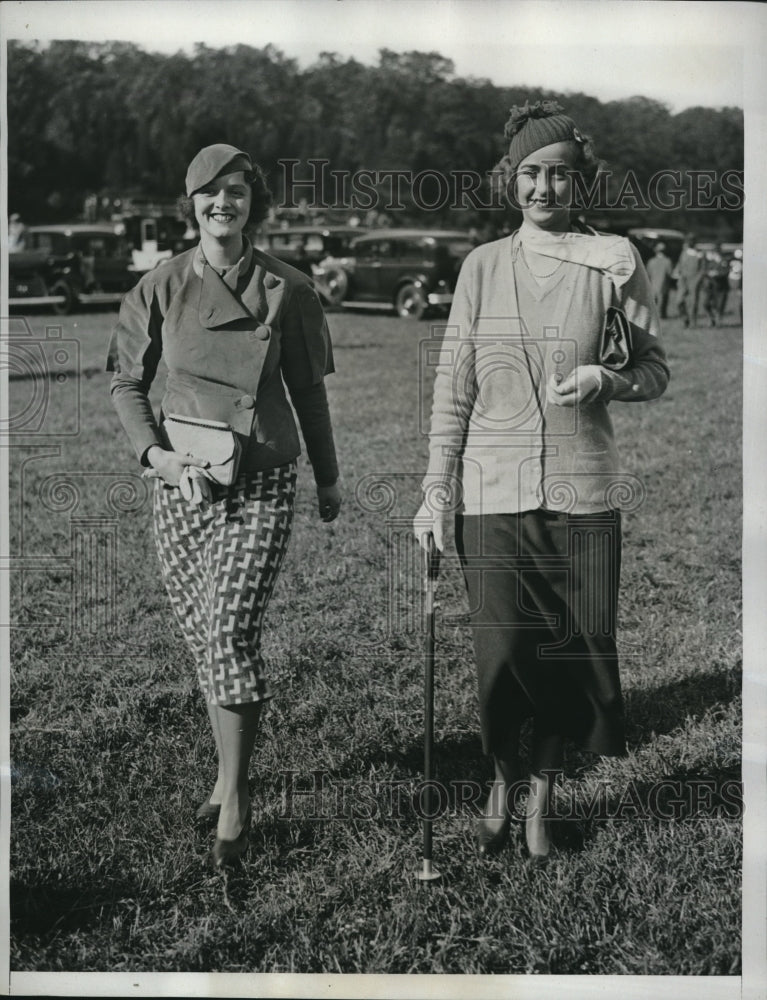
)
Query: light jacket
[
  {"x": 229, "y": 356},
  {"x": 496, "y": 444}
]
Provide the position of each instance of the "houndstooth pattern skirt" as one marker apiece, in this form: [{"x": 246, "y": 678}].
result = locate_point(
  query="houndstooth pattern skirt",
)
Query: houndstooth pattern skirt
[{"x": 219, "y": 564}]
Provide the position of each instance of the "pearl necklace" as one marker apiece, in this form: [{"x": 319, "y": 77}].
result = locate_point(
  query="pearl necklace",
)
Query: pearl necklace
[{"x": 531, "y": 269}]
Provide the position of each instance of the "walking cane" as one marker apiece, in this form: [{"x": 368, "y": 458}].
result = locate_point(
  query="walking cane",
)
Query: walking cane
[{"x": 430, "y": 570}]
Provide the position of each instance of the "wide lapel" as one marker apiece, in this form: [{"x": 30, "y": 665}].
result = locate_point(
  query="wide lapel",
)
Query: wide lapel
[
  {"x": 218, "y": 305},
  {"x": 268, "y": 284}
]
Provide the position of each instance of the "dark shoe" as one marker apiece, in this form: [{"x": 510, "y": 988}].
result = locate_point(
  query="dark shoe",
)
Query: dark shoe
[
  {"x": 538, "y": 861},
  {"x": 207, "y": 812},
  {"x": 228, "y": 852},
  {"x": 492, "y": 841}
]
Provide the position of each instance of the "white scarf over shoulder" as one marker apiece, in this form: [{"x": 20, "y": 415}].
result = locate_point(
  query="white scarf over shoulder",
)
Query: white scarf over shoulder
[{"x": 609, "y": 254}]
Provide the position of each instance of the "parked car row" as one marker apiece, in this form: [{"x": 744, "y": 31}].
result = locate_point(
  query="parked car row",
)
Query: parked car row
[
  {"x": 306, "y": 246},
  {"x": 412, "y": 271},
  {"x": 65, "y": 266}
]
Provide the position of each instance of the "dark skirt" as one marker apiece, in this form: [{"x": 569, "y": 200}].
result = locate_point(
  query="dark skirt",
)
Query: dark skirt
[
  {"x": 543, "y": 593},
  {"x": 219, "y": 564}
]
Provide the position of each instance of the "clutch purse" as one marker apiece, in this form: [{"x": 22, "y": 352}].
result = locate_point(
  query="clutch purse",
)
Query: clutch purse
[
  {"x": 211, "y": 440},
  {"x": 615, "y": 349}
]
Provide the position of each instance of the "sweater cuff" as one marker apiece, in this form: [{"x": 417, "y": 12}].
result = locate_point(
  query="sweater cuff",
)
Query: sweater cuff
[{"x": 620, "y": 385}]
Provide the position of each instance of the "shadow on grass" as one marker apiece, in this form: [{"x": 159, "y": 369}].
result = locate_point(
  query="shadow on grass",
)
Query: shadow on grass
[
  {"x": 649, "y": 713},
  {"x": 48, "y": 909},
  {"x": 662, "y": 709},
  {"x": 680, "y": 797}
]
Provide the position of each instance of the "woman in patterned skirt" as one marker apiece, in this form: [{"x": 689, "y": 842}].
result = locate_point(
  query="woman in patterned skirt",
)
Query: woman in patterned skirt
[
  {"x": 235, "y": 327},
  {"x": 547, "y": 326}
]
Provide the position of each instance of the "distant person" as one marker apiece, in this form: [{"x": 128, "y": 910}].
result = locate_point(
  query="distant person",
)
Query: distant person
[
  {"x": 722, "y": 283},
  {"x": 689, "y": 272},
  {"x": 715, "y": 286},
  {"x": 236, "y": 328},
  {"x": 17, "y": 234},
  {"x": 659, "y": 268},
  {"x": 547, "y": 327},
  {"x": 735, "y": 280}
]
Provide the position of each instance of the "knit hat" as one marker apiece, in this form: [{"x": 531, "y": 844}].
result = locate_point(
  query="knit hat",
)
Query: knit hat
[
  {"x": 211, "y": 162},
  {"x": 534, "y": 126}
]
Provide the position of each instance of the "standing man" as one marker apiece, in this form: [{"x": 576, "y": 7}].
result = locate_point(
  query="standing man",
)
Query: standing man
[
  {"x": 659, "y": 269},
  {"x": 689, "y": 274},
  {"x": 16, "y": 234}
]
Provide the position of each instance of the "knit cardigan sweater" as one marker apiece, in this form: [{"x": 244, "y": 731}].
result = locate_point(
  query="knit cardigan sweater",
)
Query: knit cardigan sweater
[{"x": 496, "y": 444}]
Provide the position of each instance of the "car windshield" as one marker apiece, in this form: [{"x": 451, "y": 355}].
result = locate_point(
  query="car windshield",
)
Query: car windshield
[
  {"x": 336, "y": 244},
  {"x": 459, "y": 247},
  {"x": 456, "y": 247},
  {"x": 48, "y": 242}
]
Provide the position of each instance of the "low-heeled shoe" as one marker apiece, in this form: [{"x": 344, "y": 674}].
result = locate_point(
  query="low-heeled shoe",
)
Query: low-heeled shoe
[
  {"x": 207, "y": 812},
  {"x": 492, "y": 841},
  {"x": 541, "y": 860},
  {"x": 538, "y": 861},
  {"x": 228, "y": 852}
]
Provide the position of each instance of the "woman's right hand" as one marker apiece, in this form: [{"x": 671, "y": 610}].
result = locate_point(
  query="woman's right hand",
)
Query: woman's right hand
[
  {"x": 169, "y": 465},
  {"x": 429, "y": 522}
]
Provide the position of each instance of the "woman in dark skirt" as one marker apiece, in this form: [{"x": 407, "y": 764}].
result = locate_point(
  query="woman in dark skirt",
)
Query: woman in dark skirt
[
  {"x": 547, "y": 326},
  {"x": 235, "y": 328}
]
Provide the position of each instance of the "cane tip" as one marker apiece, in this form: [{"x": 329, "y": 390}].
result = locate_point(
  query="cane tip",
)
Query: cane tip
[{"x": 427, "y": 874}]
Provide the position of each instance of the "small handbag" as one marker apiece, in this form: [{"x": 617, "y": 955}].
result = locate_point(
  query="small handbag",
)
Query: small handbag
[
  {"x": 211, "y": 440},
  {"x": 615, "y": 348}
]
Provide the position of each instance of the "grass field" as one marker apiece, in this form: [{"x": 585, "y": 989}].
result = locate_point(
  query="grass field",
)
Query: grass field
[{"x": 111, "y": 751}]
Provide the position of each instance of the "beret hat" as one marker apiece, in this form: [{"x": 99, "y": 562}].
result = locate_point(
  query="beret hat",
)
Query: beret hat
[{"x": 212, "y": 161}]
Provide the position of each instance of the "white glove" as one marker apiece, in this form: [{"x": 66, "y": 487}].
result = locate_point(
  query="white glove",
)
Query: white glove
[
  {"x": 430, "y": 522},
  {"x": 195, "y": 485},
  {"x": 581, "y": 386}
]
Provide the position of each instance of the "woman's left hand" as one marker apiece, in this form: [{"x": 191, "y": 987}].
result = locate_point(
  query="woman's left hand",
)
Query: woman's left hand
[
  {"x": 582, "y": 385},
  {"x": 329, "y": 501}
]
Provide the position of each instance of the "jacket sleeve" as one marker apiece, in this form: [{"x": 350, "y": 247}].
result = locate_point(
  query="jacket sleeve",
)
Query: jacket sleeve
[
  {"x": 455, "y": 392},
  {"x": 647, "y": 374},
  {"x": 134, "y": 354},
  {"x": 306, "y": 357}
]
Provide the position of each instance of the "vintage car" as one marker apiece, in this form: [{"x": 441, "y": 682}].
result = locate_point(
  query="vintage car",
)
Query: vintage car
[
  {"x": 306, "y": 246},
  {"x": 411, "y": 270},
  {"x": 64, "y": 266},
  {"x": 646, "y": 240}
]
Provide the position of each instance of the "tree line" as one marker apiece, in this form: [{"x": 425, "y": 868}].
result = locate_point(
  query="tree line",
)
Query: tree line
[{"x": 115, "y": 120}]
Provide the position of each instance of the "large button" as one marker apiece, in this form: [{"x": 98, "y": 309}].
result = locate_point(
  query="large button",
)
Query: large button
[
  {"x": 262, "y": 332},
  {"x": 246, "y": 402}
]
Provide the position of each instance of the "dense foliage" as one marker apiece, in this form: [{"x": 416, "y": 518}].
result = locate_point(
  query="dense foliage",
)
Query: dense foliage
[{"x": 111, "y": 118}]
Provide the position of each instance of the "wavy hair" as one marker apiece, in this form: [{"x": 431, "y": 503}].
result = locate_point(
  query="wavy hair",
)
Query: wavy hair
[{"x": 260, "y": 199}]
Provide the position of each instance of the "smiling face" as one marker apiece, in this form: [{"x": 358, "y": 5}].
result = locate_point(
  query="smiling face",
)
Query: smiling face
[
  {"x": 543, "y": 186},
  {"x": 222, "y": 206}
]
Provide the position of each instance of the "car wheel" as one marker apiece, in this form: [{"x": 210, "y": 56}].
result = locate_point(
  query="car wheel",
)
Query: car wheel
[
  {"x": 63, "y": 288},
  {"x": 410, "y": 301},
  {"x": 335, "y": 285}
]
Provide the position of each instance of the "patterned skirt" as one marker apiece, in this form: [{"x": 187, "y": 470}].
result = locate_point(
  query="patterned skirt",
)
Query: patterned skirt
[{"x": 219, "y": 564}]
